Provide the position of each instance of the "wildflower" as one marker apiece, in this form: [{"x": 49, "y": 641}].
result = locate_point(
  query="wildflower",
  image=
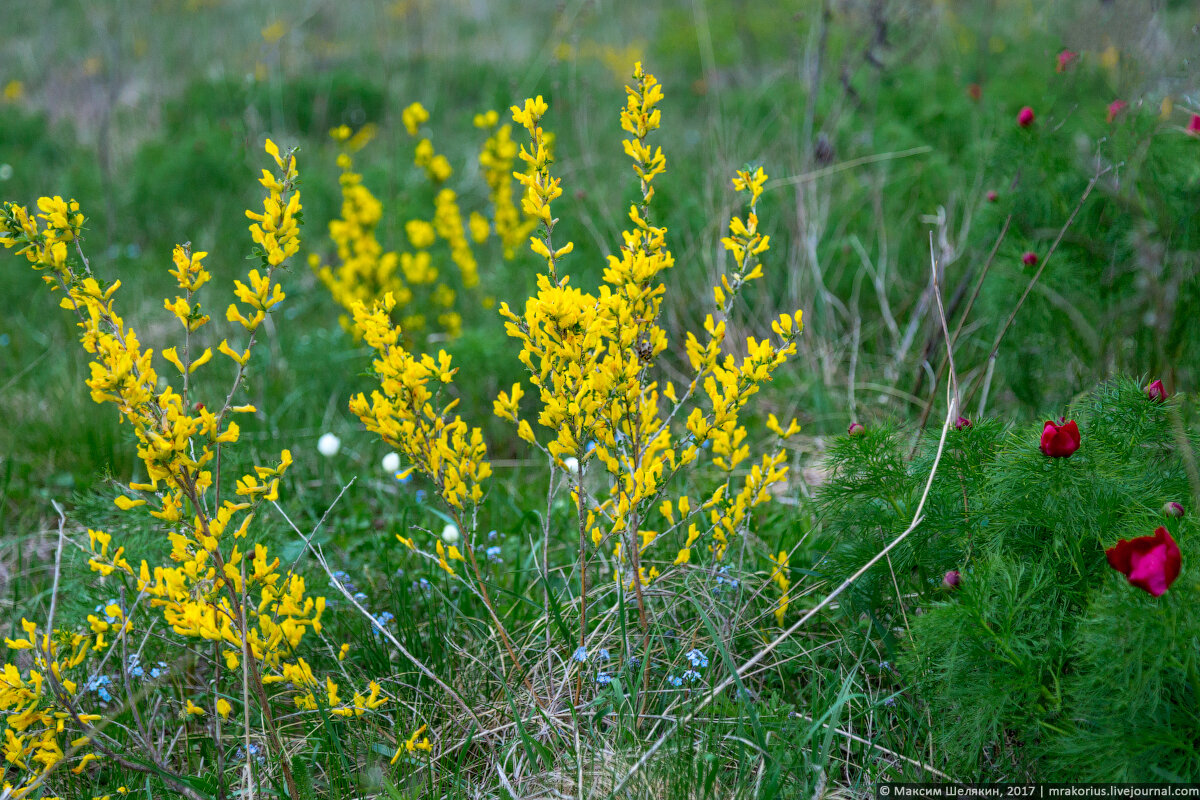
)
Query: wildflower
[
  {"x": 697, "y": 658},
  {"x": 674, "y": 680},
  {"x": 360, "y": 597},
  {"x": 691, "y": 676},
  {"x": 856, "y": 429},
  {"x": 384, "y": 618},
  {"x": 1150, "y": 563},
  {"x": 1029, "y": 259},
  {"x": 1060, "y": 440},
  {"x": 1115, "y": 108},
  {"x": 603, "y": 654},
  {"x": 224, "y": 707},
  {"x": 1064, "y": 60},
  {"x": 580, "y": 654},
  {"x": 992, "y": 196},
  {"x": 391, "y": 462},
  {"x": 633, "y": 662},
  {"x": 961, "y": 423},
  {"x": 1193, "y": 126},
  {"x": 603, "y": 678},
  {"x": 952, "y": 579},
  {"x": 1156, "y": 392},
  {"x": 1025, "y": 117},
  {"x": 492, "y": 534},
  {"x": 450, "y": 533},
  {"x": 493, "y": 554},
  {"x": 328, "y": 445},
  {"x": 1173, "y": 509}
]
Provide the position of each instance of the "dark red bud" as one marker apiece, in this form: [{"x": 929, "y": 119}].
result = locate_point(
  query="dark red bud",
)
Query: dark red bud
[
  {"x": 856, "y": 429},
  {"x": 1156, "y": 392},
  {"x": 1173, "y": 509},
  {"x": 952, "y": 579},
  {"x": 1029, "y": 259}
]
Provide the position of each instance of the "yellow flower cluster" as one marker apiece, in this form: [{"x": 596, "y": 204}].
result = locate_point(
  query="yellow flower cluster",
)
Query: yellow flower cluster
[
  {"x": 497, "y": 157},
  {"x": 365, "y": 273},
  {"x": 779, "y": 574},
  {"x": 219, "y": 586},
  {"x": 591, "y": 358},
  {"x": 409, "y": 414}
]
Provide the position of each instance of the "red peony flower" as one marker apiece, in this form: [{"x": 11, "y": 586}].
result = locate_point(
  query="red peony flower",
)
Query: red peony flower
[
  {"x": 1114, "y": 108},
  {"x": 952, "y": 579},
  {"x": 1173, "y": 509},
  {"x": 1149, "y": 562},
  {"x": 1060, "y": 440},
  {"x": 992, "y": 196},
  {"x": 1157, "y": 392},
  {"x": 1194, "y": 125},
  {"x": 856, "y": 429},
  {"x": 962, "y": 422},
  {"x": 1025, "y": 117},
  {"x": 1029, "y": 259},
  {"x": 1064, "y": 60}
]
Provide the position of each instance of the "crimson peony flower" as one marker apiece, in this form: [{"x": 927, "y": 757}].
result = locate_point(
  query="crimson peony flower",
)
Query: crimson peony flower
[
  {"x": 1194, "y": 125},
  {"x": 1060, "y": 440},
  {"x": 1025, "y": 117},
  {"x": 1173, "y": 509},
  {"x": 992, "y": 196},
  {"x": 1114, "y": 108},
  {"x": 952, "y": 579},
  {"x": 1029, "y": 259},
  {"x": 1149, "y": 562},
  {"x": 856, "y": 429},
  {"x": 962, "y": 422},
  {"x": 1064, "y": 60},
  {"x": 1156, "y": 392}
]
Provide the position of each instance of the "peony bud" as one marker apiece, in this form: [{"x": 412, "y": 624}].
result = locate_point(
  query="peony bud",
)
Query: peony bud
[
  {"x": 1029, "y": 259},
  {"x": 1114, "y": 108},
  {"x": 328, "y": 445},
  {"x": 1193, "y": 126},
  {"x": 1025, "y": 117},
  {"x": 1173, "y": 509},
  {"x": 1150, "y": 563},
  {"x": 962, "y": 422},
  {"x": 952, "y": 579},
  {"x": 1156, "y": 392},
  {"x": 992, "y": 196},
  {"x": 856, "y": 429},
  {"x": 1061, "y": 440},
  {"x": 1064, "y": 60}
]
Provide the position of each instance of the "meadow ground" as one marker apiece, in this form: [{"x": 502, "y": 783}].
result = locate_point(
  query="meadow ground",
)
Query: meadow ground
[{"x": 926, "y": 581}]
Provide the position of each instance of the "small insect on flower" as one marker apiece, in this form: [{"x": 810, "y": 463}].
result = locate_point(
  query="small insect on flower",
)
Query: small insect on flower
[
  {"x": 328, "y": 445},
  {"x": 391, "y": 462}
]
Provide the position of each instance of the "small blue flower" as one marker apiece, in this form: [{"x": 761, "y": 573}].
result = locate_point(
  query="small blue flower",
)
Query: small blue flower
[
  {"x": 493, "y": 554},
  {"x": 674, "y": 680},
  {"x": 385, "y": 617},
  {"x": 603, "y": 654},
  {"x": 691, "y": 676},
  {"x": 104, "y": 695},
  {"x": 420, "y": 494},
  {"x": 360, "y": 597},
  {"x": 492, "y": 536},
  {"x": 603, "y": 678},
  {"x": 580, "y": 654},
  {"x": 633, "y": 662},
  {"x": 697, "y": 658},
  {"x": 890, "y": 702}
]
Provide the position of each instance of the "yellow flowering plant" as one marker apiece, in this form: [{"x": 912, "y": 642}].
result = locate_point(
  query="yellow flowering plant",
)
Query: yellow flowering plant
[
  {"x": 221, "y": 592},
  {"x": 423, "y": 291},
  {"x": 623, "y": 441}
]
